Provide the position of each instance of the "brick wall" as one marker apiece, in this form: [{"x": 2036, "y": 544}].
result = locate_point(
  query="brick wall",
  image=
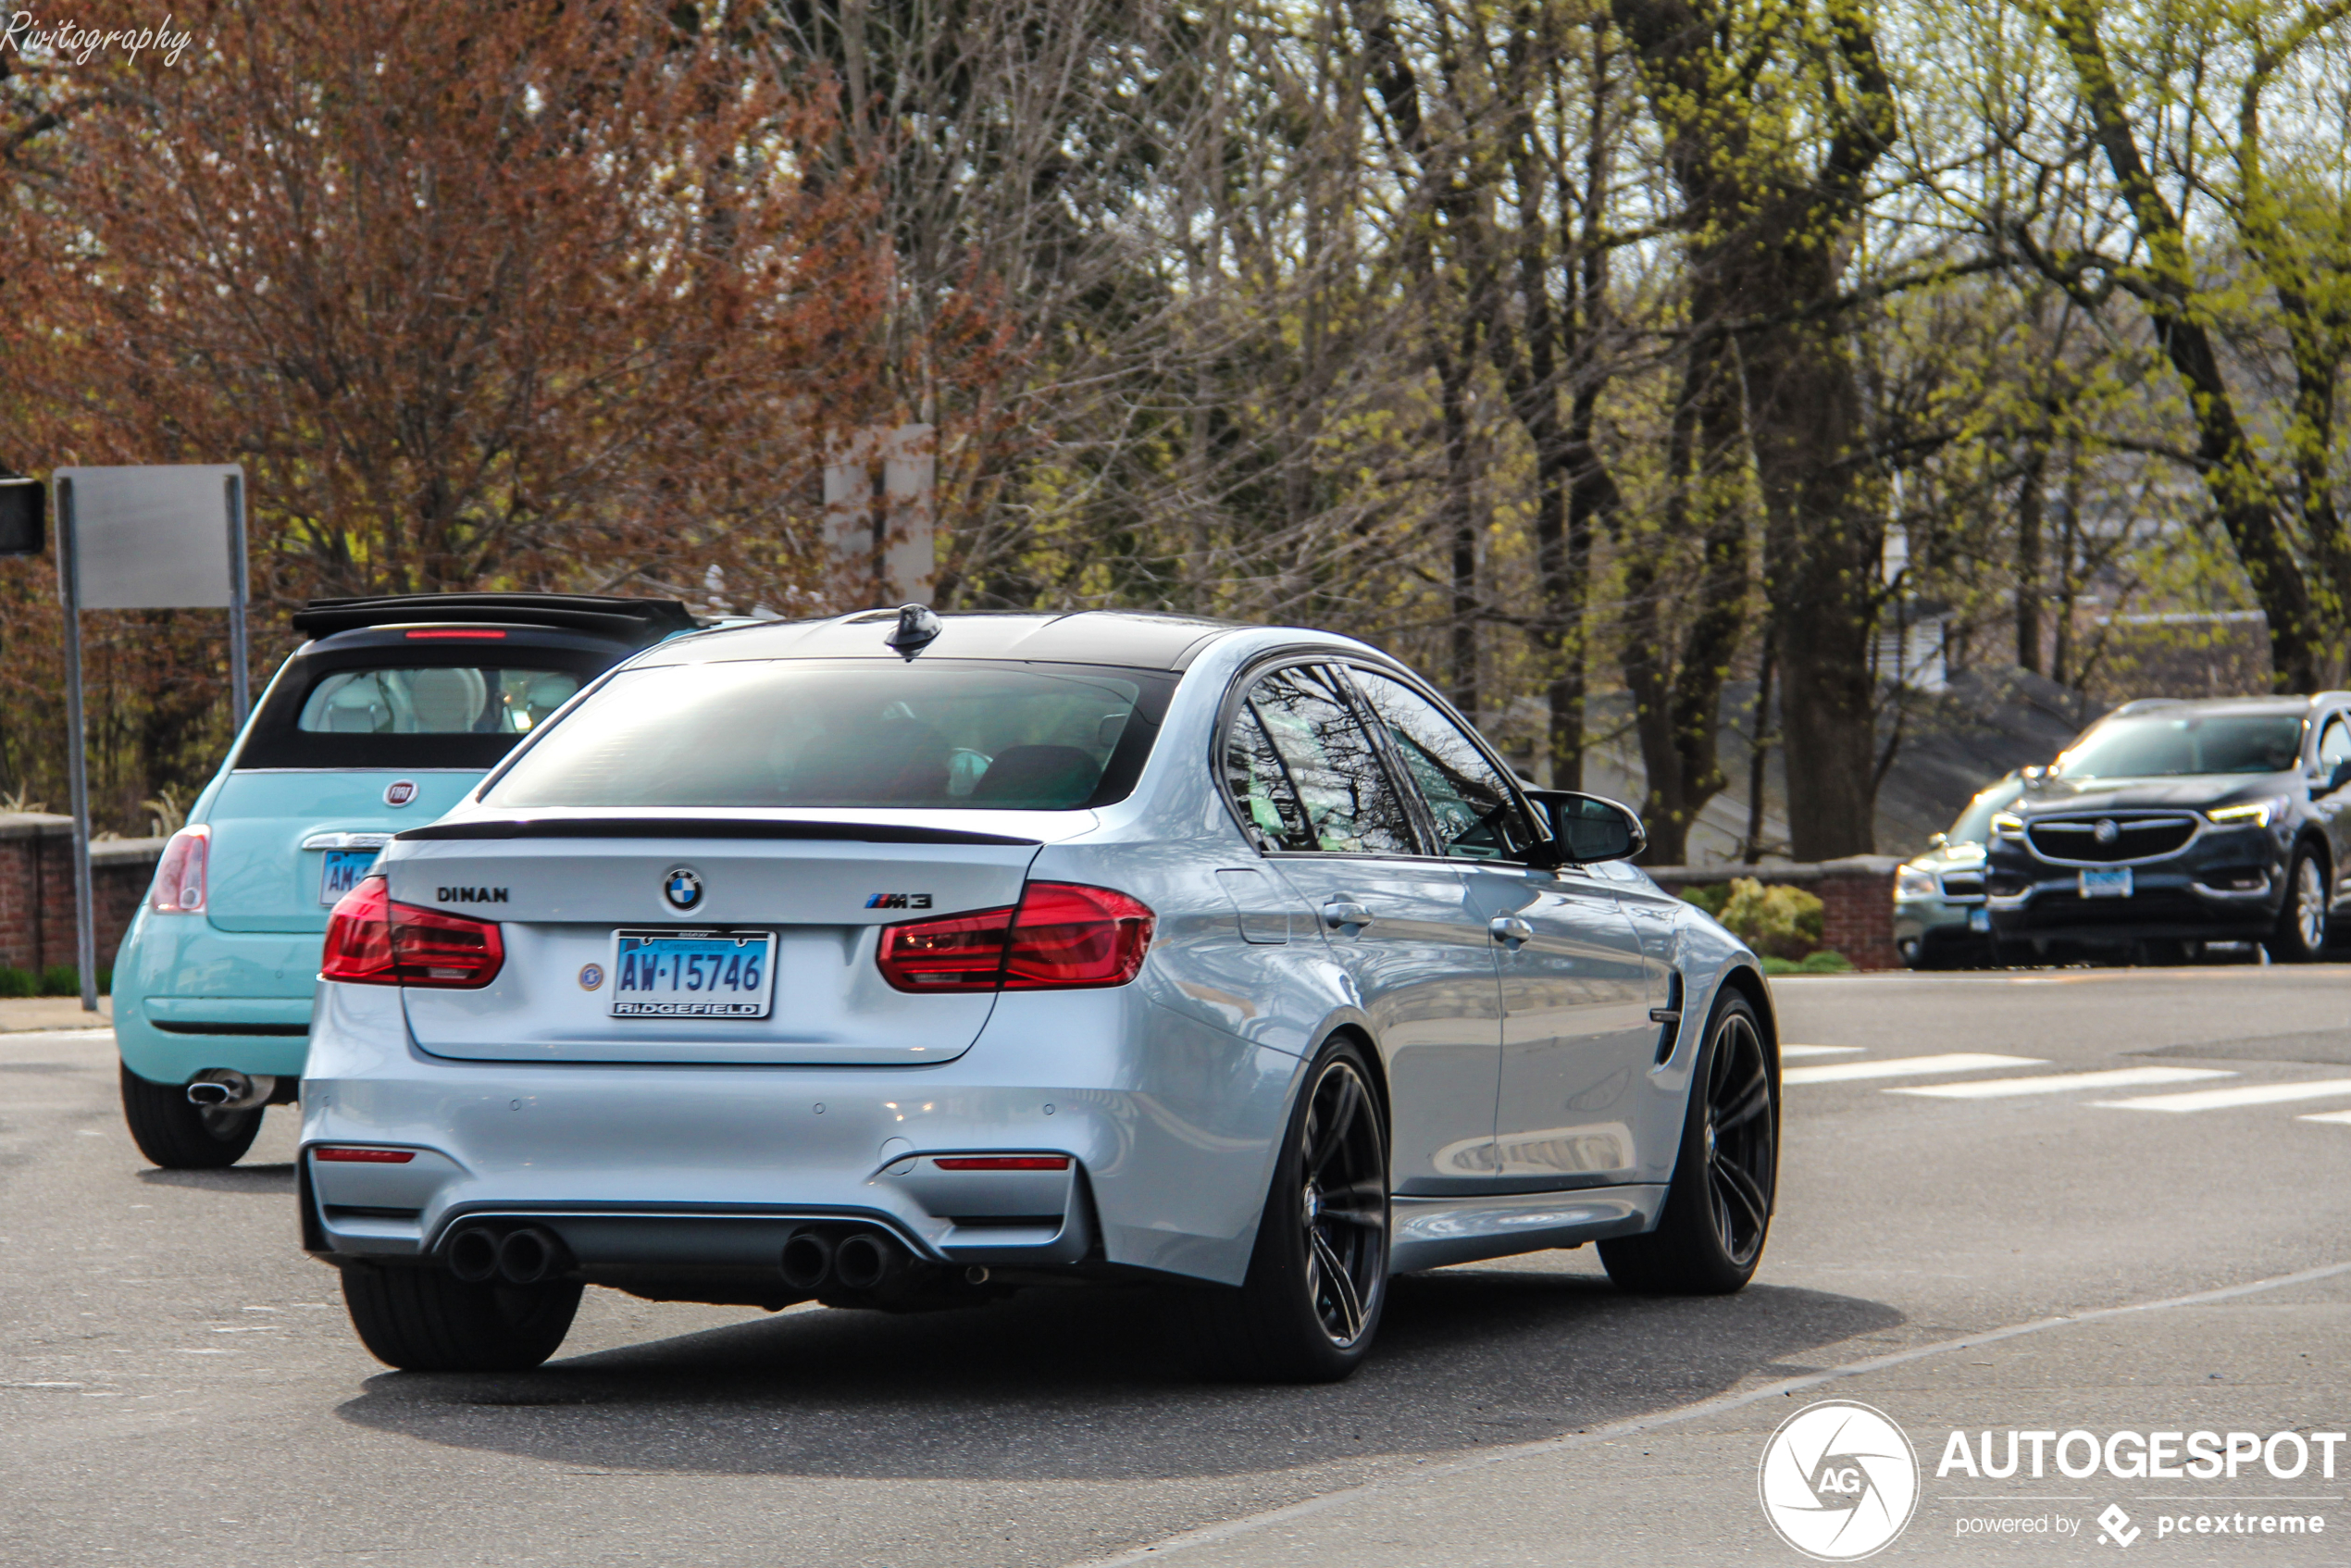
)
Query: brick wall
[
  {"x": 1855, "y": 894},
  {"x": 36, "y": 888}
]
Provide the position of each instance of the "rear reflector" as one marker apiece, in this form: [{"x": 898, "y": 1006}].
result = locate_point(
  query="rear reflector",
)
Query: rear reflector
[
  {"x": 336, "y": 1154},
  {"x": 1060, "y": 937},
  {"x": 1004, "y": 1163},
  {"x": 453, "y": 634}
]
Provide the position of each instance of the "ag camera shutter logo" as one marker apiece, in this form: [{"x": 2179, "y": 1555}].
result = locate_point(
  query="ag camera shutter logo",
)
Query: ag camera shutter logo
[{"x": 1839, "y": 1481}]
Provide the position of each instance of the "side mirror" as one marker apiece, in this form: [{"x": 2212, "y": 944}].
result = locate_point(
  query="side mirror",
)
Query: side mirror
[
  {"x": 1937, "y": 841},
  {"x": 1586, "y": 829}
]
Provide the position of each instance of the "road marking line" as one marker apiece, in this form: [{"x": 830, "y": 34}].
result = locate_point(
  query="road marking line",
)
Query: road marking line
[
  {"x": 2342, "y": 1117},
  {"x": 1904, "y": 1067},
  {"x": 1788, "y": 1050},
  {"x": 2224, "y": 1098},
  {"x": 2059, "y": 1083},
  {"x": 1420, "y": 1475}
]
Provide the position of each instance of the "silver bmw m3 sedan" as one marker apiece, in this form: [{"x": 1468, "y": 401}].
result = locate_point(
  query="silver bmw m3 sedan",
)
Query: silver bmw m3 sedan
[{"x": 902, "y": 961}]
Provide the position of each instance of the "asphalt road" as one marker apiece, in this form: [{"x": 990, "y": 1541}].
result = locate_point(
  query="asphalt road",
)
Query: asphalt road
[{"x": 178, "y": 1384}]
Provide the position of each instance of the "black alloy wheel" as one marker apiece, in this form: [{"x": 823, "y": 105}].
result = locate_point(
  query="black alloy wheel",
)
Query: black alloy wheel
[
  {"x": 1742, "y": 1137},
  {"x": 1717, "y": 1214},
  {"x": 1343, "y": 1203},
  {"x": 1317, "y": 1278}
]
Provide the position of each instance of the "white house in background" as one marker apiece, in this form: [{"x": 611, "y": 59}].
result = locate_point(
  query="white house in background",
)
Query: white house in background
[{"x": 1911, "y": 646}]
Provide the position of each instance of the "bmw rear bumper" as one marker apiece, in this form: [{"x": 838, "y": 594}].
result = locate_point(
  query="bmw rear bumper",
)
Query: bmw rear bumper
[{"x": 1170, "y": 1126}]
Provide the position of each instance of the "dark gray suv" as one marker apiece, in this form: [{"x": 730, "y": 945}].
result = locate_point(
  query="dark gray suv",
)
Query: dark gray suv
[{"x": 2169, "y": 824}]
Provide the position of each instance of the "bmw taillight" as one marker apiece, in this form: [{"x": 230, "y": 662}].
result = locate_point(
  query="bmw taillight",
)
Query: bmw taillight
[
  {"x": 179, "y": 876},
  {"x": 372, "y": 940},
  {"x": 1060, "y": 936}
]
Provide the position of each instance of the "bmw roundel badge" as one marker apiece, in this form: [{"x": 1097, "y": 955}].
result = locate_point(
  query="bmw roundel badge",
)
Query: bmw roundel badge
[{"x": 681, "y": 888}]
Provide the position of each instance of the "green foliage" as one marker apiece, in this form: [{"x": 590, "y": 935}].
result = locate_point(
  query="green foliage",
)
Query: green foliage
[
  {"x": 1709, "y": 897},
  {"x": 61, "y": 979},
  {"x": 1825, "y": 961},
  {"x": 1776, "y": 922},
  {"x": 18, "y": 982}
]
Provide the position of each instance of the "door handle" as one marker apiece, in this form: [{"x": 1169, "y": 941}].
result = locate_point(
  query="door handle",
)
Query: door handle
[
  {"x": 1339, "y": 914},
  {"x": 1509, "y": 931}
]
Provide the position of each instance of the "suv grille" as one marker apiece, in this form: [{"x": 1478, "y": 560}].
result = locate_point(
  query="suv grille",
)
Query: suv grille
[{"x": 2076, "y": 841}]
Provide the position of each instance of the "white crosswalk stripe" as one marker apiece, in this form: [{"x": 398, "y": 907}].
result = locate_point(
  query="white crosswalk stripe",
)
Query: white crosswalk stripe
[
  {"x": 1904, "y": 1067},
  {"x": 2226, "y": 1099},
  {"x": 2340, "y": 1117},
  {"x": 1788, "y": 1051},
  {"x": 2061, "y": 1083}
]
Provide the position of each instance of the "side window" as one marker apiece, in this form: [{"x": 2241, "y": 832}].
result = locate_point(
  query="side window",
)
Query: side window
[
  {"x": 1477, "y": 817},
  {"x": 2334, "y": 743},
  {"x": 1306, "y": 774}
]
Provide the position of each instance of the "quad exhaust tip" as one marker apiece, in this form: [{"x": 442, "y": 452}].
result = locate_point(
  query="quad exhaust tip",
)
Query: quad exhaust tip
[
  {"x": 526, "y": 1255},
  {"x": 859, "y": 1262}
]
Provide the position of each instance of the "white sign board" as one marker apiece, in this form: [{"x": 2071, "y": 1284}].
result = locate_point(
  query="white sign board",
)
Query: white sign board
[
  {"x": 881, "y": 549},
  {"x": 154, "y": 539}
]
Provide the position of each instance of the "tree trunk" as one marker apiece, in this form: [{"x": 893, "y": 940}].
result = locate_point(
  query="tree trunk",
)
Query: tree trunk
[{"x": 2028, "y": 562}]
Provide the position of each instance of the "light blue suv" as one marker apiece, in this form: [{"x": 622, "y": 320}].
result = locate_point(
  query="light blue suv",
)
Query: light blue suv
[{"x": 385, "y": 720}]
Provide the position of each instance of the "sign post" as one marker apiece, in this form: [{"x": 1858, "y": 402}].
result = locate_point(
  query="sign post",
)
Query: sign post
[{"x": 142, "y": 538}]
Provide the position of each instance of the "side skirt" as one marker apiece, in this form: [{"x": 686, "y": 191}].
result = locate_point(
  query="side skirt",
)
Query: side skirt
[{"x": 1432, "y": 1232}]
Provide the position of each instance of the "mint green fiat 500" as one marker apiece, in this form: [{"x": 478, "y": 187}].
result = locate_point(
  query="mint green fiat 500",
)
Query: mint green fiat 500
[{"x": 383, "y": 721}]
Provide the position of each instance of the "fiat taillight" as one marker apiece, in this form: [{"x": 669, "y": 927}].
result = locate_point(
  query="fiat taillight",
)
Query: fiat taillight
[
  {"x": 1060, "y": 936},
  {"x": 179, "y": 876},
  {"x": 372, "y": 940}
]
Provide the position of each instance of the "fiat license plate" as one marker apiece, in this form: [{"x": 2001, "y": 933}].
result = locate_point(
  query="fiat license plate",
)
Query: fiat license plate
[
  {"x": 2114, "y": 884},
  {"x": 692, "y": 974},
  {"x": 344, "y": 867}
]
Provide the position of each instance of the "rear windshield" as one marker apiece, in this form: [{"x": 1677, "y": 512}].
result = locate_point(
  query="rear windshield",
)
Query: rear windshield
[
  {"x": 450, "y": 700},
  {"x": 406, "y": 708},
  {"x": 970, "y": 736},
  {"x": 2154, "y": 746}
]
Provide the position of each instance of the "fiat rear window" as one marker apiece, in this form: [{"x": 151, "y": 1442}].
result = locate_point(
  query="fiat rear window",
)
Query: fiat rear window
[
  {"x": 437, "y": 700},
  {"x": 967, "y": 736}
]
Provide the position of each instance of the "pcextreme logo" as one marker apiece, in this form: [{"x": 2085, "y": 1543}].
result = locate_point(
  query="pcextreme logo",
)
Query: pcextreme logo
[{"x": 1839, "y": 1481}]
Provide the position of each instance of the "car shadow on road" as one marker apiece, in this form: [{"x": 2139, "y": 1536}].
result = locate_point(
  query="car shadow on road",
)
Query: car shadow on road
[
  {"x": 1083, "y": 1385},
  {"x": 275, "y": 1181}
]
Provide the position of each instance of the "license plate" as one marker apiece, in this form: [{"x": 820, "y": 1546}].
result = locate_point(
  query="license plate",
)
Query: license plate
[
  {"x": 2114, "y": 884},
  {"x": 692, "y": 974},
  {"x": 344, "y": 867},
  {"x": 1979, "y": 920}
]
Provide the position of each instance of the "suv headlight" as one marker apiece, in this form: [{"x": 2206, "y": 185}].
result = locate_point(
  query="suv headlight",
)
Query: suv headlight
[
  {"x": 2253, "y": 814},
  {"x": 2007, "y": 825},
  {"x": 1912, "y": 882}
]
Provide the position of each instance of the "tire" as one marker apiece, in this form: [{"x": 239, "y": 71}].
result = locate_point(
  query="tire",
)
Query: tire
[
  {"x": 2301, "y": 933},
  {"x": 424, "y": 1319},
  {"x": 1716, "y": 1215},
  {"x": 181, "y": 1137},
  {"x": 1317, "y": 1280}
]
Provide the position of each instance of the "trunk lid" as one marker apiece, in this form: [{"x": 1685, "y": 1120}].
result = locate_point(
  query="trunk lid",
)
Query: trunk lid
[
  {"x": 562, "y": 894},
  {"x": 274, "y": 828}
]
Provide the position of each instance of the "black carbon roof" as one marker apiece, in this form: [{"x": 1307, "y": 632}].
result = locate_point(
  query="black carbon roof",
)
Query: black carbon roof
[{"x": 1135, "y": 639}]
